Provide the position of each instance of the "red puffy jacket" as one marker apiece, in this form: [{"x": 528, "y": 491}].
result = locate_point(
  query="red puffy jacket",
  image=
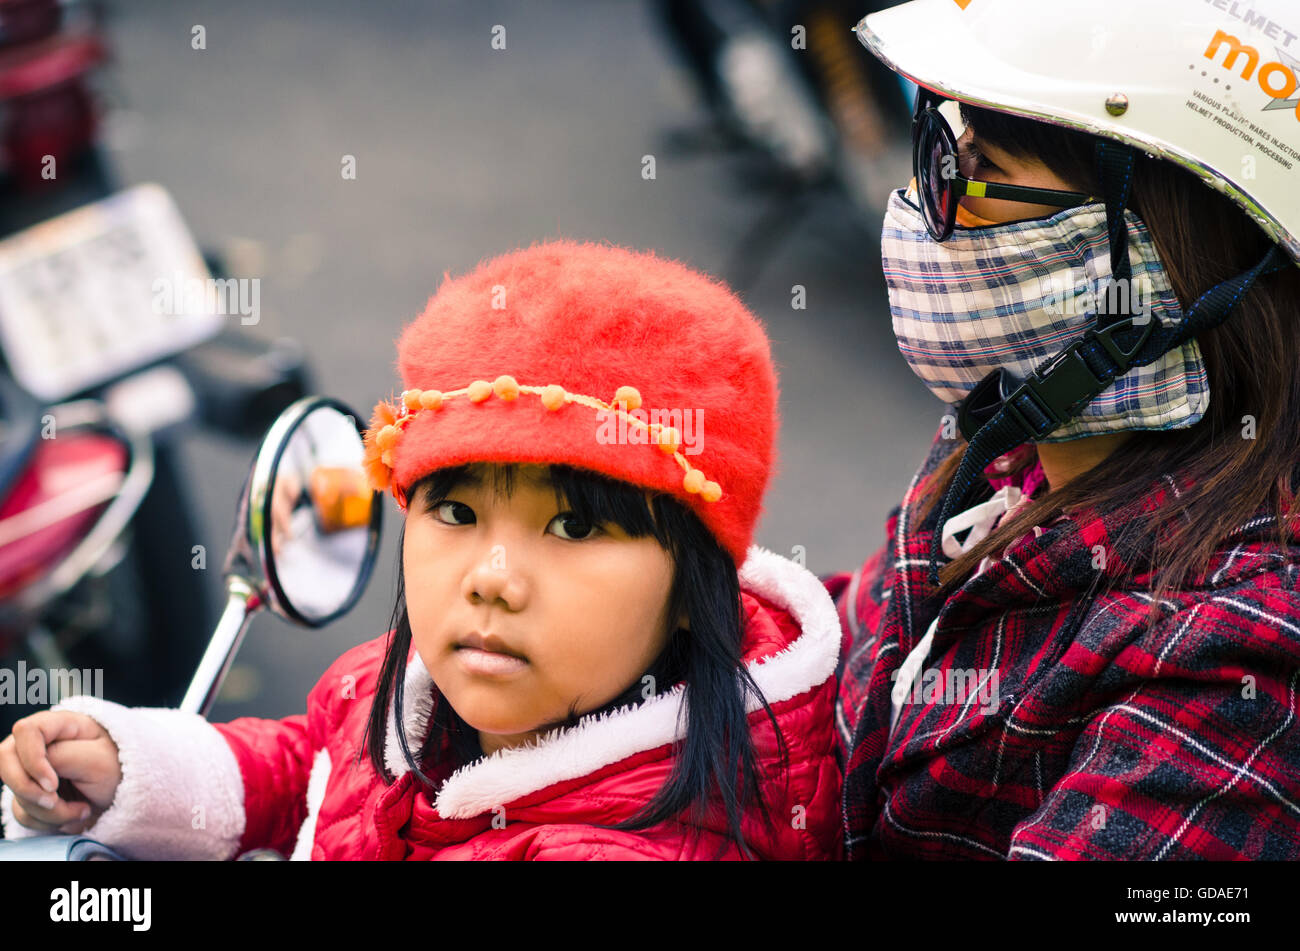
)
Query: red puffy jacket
[{"x": 304, "y": 784}]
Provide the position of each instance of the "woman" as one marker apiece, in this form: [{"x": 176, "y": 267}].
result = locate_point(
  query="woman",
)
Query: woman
[{"x": 1106, "y": 663}]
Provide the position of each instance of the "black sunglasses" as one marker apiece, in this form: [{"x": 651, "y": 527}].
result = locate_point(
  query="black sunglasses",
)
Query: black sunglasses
[{"x": 939, "y": 180}]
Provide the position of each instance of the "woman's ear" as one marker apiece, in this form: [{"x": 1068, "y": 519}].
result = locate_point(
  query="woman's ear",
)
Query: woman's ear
[{"x": 683, "y": 622}]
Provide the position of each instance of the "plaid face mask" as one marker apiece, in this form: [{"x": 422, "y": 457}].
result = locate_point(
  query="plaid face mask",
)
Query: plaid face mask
[{"x": 1012, "y": 295}]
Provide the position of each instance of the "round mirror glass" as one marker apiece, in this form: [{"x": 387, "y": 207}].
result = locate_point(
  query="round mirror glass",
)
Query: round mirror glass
[{"x": 320, "y": 517}]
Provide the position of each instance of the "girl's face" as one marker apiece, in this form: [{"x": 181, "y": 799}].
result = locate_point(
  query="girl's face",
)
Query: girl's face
[{"x": 523, "y": 614}]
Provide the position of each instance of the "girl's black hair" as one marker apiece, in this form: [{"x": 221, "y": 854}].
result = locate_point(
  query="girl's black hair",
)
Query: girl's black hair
[{"x": 715, "y": 762}]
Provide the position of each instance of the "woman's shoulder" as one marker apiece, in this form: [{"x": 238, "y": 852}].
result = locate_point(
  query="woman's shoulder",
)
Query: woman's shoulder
[{"x": 1258, "y": 612}]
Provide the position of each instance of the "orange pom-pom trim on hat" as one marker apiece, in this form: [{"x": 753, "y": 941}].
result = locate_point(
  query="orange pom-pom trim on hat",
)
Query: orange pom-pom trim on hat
[
  {"x": 627, "y": 398},
  {"x": 506, "y": 388},
  {"x": 553, "y": 397},
  {"x": 389, "y": 422}
]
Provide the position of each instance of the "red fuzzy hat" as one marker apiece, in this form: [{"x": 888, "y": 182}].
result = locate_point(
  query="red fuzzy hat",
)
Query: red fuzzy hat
[{"x": 596, "y": 357}]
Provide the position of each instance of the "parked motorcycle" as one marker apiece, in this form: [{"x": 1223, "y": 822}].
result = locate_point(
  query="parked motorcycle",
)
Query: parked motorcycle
[
  {"x": 111, "y": 347},
  {"x": 100, "y": 373},
  {"x": 49, "y": 113},
  {"x": 305, "y": 540}
]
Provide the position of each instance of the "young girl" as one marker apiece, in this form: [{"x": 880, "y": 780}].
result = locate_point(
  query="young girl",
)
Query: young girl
[{"x": 581, "y": 453}]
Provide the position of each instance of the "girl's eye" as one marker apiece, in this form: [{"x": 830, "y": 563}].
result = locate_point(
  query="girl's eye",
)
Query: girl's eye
[
  {"x": 453, "y": 513},
  {"x": 570, "y": 526}
]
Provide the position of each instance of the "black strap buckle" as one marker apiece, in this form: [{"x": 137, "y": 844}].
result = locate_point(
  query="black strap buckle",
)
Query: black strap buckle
[{"x": 1058, "y": 388}]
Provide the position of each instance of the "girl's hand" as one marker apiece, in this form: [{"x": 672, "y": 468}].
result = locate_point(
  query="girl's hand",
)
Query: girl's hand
[{"x": 62, "y": 768}]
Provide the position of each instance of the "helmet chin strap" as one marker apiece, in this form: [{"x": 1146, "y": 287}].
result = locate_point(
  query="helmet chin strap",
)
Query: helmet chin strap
[{"x": 1003, "y": 412}]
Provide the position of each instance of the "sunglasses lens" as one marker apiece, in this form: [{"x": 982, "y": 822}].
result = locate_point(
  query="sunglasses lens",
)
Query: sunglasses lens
[{"x": 930, "y": 163}]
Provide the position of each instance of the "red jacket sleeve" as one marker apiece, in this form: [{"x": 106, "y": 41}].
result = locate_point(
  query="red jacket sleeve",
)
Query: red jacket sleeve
[
  {"x": 276, "y": 756},
  {"x": 275, "y": 759}
]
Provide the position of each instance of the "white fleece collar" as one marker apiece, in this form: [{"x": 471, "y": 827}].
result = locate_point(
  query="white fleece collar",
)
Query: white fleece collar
[{"x": 579, "y": 751}]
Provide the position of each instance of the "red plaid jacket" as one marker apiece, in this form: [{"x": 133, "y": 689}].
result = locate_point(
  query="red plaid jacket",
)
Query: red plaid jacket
[{"x": 1050, "y": 721}]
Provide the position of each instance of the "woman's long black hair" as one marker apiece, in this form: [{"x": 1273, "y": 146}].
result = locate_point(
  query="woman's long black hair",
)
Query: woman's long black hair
[{"x": 715, "y": 762}]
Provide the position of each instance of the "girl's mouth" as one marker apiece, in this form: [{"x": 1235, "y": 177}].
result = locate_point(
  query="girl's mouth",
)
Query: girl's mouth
[
  {"x": 485, "y": 663},
  {"x": 488, "y": 656}
]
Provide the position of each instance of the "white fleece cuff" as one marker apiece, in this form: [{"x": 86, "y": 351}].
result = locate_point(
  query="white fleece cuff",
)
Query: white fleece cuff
[
  {"x": 12, "y": 829},
  {"x": 181, "y": 794}
]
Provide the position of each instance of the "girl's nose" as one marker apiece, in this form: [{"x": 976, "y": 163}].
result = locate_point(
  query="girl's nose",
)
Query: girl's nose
[{"x": 494, "y": 579}]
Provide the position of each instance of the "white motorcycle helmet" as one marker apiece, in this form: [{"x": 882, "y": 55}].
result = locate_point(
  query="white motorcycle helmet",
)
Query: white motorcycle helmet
[
  {"x": 1204, "y": 84},
  {"x": 1216, "y": 91}
]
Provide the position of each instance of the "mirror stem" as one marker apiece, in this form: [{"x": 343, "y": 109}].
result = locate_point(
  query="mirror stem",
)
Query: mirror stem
[{"x": 221, "y": 650}]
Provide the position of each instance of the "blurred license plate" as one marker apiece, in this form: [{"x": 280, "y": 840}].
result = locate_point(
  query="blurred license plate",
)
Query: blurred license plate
[{"x": 102, "y": 290}]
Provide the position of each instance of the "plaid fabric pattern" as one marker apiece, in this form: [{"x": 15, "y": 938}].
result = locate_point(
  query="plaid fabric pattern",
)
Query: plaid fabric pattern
[
  {"x": 1013, "y": 295},
  {"x": 1108, "y": 738}
]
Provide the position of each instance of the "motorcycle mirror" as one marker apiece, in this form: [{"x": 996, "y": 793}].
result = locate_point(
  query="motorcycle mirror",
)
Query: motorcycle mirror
[
  {"x": 313, "y": 517},
  {"x": 306, "y": 534}
]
